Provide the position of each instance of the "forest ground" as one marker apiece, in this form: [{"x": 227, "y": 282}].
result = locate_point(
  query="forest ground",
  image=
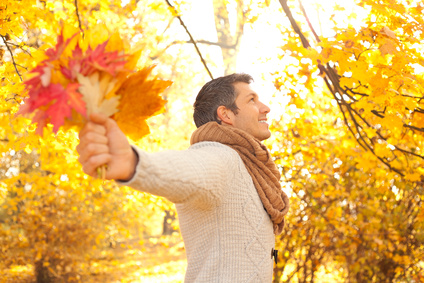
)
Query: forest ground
[{"x": 155, "y": 260}]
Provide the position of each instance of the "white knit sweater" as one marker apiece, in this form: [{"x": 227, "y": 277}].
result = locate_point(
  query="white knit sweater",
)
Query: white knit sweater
[{"x": 227, "y": 233}]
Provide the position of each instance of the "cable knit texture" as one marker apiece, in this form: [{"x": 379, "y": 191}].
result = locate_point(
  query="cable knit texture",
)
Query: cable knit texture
[
  {"x": 259, "y": 164},
  {"x": 227, "y": 233}
]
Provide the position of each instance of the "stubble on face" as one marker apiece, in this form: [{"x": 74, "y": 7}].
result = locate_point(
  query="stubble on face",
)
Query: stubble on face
[{"x": 251, "y": 116}]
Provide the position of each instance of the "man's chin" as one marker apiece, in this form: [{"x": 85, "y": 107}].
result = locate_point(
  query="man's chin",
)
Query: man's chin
[{"x": 265, "y": 136}]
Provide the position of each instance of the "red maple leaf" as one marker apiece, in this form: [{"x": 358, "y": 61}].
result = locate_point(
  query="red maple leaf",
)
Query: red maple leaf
[
  {"x": 75, "y": 99},
  {"x": 37, "y": 87},
  {"x": 64, "y": 100},
  {"x": 55, "y": 52},
  {"x": 40, "y": 97},
  {"x": 35, "y": 82},
  {"x": 46, "y": 95},
  {"x": 40, "y": 118},
  {"x": 53, "y": 104},
  {"x": 74, "y": 64},
  {"x": 58, "y": 111},
  {"x": 101, "y": 60}
]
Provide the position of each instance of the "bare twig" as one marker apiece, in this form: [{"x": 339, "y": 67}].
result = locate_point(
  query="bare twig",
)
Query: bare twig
[
  {"x": 309, "y": 22},
  {"x": 78, "y": 16},
  {"x": 22, "y": 66},
  {"x": 184, "y": 42},
  {"x": 12, "y": 98},
  {"x": 414, "y": 128},
  {"x": 20, "y": 47},
  {"x": 191, "y": 39},
  {"x": 11, "y": 55},
  {"x": 351, "y": 90},
  {"x": 222, "y": 45}
]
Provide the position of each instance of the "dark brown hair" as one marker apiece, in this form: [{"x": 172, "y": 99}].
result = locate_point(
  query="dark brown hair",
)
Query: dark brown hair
[{"x": 217, "y": 92}]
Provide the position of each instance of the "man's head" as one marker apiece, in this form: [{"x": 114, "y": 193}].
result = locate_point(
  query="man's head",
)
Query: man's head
[{"x": 230, "y": 100}]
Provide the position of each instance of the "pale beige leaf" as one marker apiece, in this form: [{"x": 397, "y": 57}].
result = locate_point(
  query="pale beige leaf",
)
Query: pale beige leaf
[
  {"x": 90, "y": 92},
  {"x": 109, "y": 106},
  {"x": 107, "y": 83},
  {"x": 94, "y": 89}
]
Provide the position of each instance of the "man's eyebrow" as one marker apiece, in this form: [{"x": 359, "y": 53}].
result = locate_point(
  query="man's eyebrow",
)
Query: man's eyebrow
[{"x": 255, "y": 95}]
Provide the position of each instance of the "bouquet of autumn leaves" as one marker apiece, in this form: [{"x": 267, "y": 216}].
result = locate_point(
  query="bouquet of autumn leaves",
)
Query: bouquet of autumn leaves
[{"x": 92, "y": 73}]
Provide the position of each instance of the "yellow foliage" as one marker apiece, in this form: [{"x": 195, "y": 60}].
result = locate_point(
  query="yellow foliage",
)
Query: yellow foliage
[
  {"x": 413, "y": 177},
  {"x": 372, "y": 136},
  {"x": 54, "y": 218}
]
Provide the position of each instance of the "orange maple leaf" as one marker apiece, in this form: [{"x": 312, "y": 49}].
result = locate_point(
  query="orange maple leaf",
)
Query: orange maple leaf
[{"x": 140, "y": 99}]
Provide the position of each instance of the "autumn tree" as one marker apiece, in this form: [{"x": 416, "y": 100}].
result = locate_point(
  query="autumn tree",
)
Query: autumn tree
[
  {"x": 349, "y": 146},
  {"x": 231, "y": 17},
  {"x": 352, "y": 149},
  {"x": 53, "y": 217},
  {"x": 229, "y": 38}
]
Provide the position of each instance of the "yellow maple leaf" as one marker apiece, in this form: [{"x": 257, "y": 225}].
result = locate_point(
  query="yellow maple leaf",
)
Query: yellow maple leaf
[
  {"x": 418, "y": 119},
  {"x": 413, "y": 177},
  {"x": 388, "y": 47},
  {"x": 392, "y": 121},
  {"x": 382, "y": 150},
  {"x": 95, "y": 36},
  {"x": 115, "y": 42},
  {"x": 140, "y": 99}
]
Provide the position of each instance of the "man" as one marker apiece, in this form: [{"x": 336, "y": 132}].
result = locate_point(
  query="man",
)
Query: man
[{"x": 225, "y": 186}]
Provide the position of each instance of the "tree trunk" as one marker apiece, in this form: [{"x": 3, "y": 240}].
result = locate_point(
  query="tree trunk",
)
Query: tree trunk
[
  {"x": 169, "y": 218},
  {"x": 229, "y": 41}
]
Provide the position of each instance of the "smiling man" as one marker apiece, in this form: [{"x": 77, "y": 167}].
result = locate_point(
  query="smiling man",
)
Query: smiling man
[
  {"x": 250, "y": 111},
  {"x": 225, "y": 186}
]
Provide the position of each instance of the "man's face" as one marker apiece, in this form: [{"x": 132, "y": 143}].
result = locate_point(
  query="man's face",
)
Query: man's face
[{"x": 251, "y": 116}]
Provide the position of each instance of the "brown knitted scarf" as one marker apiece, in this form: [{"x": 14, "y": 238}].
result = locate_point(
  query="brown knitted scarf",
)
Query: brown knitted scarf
[{"x": 259, "y": 164}]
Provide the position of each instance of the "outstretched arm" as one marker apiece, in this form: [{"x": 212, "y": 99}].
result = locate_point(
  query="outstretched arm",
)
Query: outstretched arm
[
  {"x": 199, "y": 175},
  {"x": 103, "y": 143}
]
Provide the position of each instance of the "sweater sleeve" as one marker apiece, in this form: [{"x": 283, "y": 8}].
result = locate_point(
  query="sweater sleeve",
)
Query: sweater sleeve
[{"x": 198, "y": 175}]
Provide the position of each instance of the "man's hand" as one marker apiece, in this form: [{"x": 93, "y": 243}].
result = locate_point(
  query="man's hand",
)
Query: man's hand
[{"x": 103, "y": 143}]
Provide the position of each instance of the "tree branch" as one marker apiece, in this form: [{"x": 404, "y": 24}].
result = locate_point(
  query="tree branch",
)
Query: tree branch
[
  {"x": 309, "y": 22},
  {"x": 216, "y": 44},
  {"x": 183, "y": 42},
  {"x": 191, "y": 39},
  {"x": 413, "y": 128},
  {"x": 357, "y": 126},
  {"x": 78, "y": 16},
  {"x": 11, "y": 55},
  {"x": 295, "y": 26},
  {"x": 332, "y": 80},
  {"x": 383, "y": 138},
  {"x": 20, "y": 47}
]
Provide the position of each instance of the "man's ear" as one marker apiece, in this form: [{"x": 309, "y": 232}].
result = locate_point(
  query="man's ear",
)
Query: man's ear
[{"x": 225, "y": 115}]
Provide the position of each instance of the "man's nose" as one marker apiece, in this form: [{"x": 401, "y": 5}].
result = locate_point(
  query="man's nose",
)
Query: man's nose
[{"x": 265, "y": 108}]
